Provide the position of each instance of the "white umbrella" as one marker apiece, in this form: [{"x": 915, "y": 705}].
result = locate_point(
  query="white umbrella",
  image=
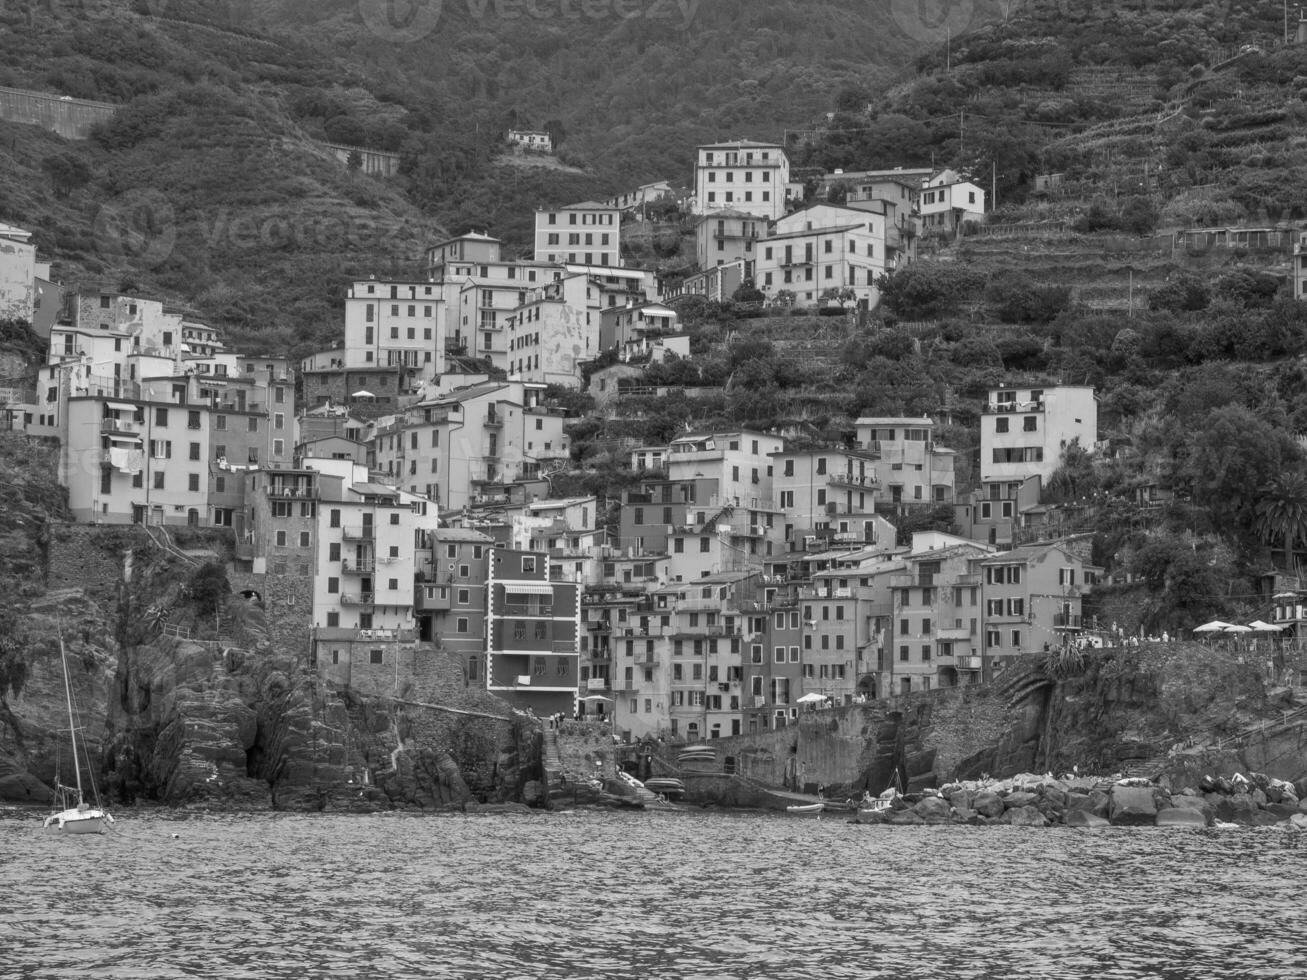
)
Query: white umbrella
[
  {"x": 363, "y": 394},
  {"x": 810, "y": 698},
  {"x": 596, "y": 697},
  {"x": 1258, "y": 626},
  {"x": 1236, "y": 628},
  {"x": 1215, "y": 626}
]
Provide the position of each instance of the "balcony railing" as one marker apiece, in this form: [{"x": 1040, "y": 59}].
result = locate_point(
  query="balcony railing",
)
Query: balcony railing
[
  {"x": 867, "y": 480},
  {"x": 999, "y": 408},
  {"x": 599, "y": 626},
  {"x": 357, "y": 598},
  {"x": 123, "y": 425},
  {"x": 596, "y": 684},
  {"x": 364, "y": 532},
  {"x": 523, "y": 609},
  {"x": 364, "y": 567},
  {"x": 968, "y": 663},
  {"x": 1067, "y": 621}
]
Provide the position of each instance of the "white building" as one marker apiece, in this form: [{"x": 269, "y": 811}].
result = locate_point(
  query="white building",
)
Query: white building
[
  {"x": 742, "y": 175},
  {"x": 947, "y": 201},
  {"x": 19, "y": 270},
  {"x": 1024, "y": 431},
  {"x": 395, "y": 324},
  {"x": 531, "y": 139},
  {"x": 588, "y": 233},
  {"x": 821, "y": 247}
]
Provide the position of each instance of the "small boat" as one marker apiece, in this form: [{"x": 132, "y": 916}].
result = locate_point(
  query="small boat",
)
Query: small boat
[
  {"x": 81, "y": 817},
  {"x": 806, "y": 808}
]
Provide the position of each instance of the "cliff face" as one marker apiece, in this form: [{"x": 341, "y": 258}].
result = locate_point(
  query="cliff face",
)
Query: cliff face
[
  {"x": 235, "y": 721},
  {"x": 1175, "y": 707}
]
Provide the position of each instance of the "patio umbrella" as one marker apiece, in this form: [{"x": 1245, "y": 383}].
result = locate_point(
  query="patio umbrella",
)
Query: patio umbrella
[
  {"x": 1258, "y": 626},
  {"x": 596, "y": 697},
  {"x": 1215, "y": 626},
  {"x": 810, "y": 698},
  {"x": 363, "y": 394},
  {"x": 1236, "y": 628}
]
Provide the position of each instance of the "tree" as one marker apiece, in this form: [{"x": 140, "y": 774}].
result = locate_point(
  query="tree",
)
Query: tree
[
  {"x": 209, "y": 588},
  {"x": 1281, "y": 514},
  {"x": 1233, "y": 455},
  {"x": 1186, "y": 292},
  {"x": 67, "y": 173},
  {"x": 748, "y": 293},
  {"x": 924, "y": 291},
  {"x": 843, "y": 295},
  {"x": 355, "y": 160}
]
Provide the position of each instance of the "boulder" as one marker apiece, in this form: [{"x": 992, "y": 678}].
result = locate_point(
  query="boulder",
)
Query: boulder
[
  {"x": 1259, "y": 797},
  {"x": 933, "y": 807},
  {"x": 1084, "y": 818},
  {"x": 1025, "y": 816},
  {"x": 872, "y": 816},
  {"x": 988, "y": 804},
  {"x": 1263, "y": 818},
  {"x": 1282, "y": 811},
  {"x": 1056, "y": 797},
  {"x": 1298, "y": 821},
  {"x": 1237, "y": 809},
  {"x": 1132, "y": 806},
  {"x": 961, "y": 798},
  {"x": 1180, "y": 816},
  {"x": 1078, "y": 801},
  {"x": 23, "y": 787},
  {"x": 1274, "y": 794},
  {"x": 1302, "y": 806},
  {"x": 1100, "y": 802},
  {"x": 964, "y": 814},
  {"x": 1020, "y": 798},
  {"x": 1198, "y": 805},
  {"x": 533, "y": 792}
]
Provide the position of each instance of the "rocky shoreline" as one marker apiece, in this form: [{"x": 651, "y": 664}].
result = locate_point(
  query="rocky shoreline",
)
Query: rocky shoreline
[{"x": 1255, "y": 800}]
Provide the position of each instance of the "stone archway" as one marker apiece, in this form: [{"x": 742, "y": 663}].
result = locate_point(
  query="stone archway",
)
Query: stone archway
[{"x": 867, "y": 686}]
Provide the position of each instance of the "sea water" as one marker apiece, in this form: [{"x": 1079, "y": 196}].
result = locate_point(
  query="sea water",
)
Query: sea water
[{"x": 691, "y": 894}]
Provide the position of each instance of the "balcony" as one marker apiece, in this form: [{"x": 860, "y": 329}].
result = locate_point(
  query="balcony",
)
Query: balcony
[
  {"x": 494, "y": 420},
  {"x": 357, "y": 598},
  {"x": 1000, "y": 408},
  {"x": 301, "y": 491},
  {"x": 596, "y": 684},
  {"x": 1067, "y": 621},
  {"x": 121, "y": 425},
  {"x": 968, "y": 662},
  {"x": 364, "y": 566},
  {"x": 867, "y": 481},
  {"x": 364, "y": 532},
  {"x": 953, "y": 634},
  {"x": 599, "y": 626},
  {"x": 527, "y": 611},
  {"x": 344, "y": 634}
]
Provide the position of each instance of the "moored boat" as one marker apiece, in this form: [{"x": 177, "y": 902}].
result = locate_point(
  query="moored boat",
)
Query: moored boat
[
  {"x": 806, "y": 808},
  {"x": 81, "y": 817}
]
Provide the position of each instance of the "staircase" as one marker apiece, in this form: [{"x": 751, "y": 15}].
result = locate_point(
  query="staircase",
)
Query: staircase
[{"x": 555, "y": 776}]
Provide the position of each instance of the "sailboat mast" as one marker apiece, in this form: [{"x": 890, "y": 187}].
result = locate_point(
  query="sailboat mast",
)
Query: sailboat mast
[{"x": 72, "y": 729}]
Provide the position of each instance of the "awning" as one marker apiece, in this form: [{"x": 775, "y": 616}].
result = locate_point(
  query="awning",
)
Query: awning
[
  {"x": 130, "y": 440},
  {"x": 120, "y": 407},
  {"x": 529, "y": 588}
]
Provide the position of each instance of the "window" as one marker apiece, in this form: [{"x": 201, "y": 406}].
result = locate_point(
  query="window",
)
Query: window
[
  {"x": 375, "y": 656},
  {"x": 1000, "y": 425},
  {"x": 333, "y": 551},
  {"x": 195, "y": 450},
  {"x": 158, "y": 481},
  {"x": 1030, "y": 423},
  {"x": 460, "y": 625},
  {"x": 160, "y": 416},
  {"x": 333, "y": 583},
  {"x": 304, "y": 539},
  {"x": 193, "y": 482}
]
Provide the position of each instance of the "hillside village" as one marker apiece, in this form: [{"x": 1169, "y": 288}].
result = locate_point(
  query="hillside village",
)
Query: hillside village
[{"x": 394, "y": 496}]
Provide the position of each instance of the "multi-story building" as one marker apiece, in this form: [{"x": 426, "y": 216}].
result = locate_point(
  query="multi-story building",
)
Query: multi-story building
[
  {"x": 449, "y": 446},
  {"x": 554, "y": 333},
  {"x": 814, "y": 487},
  {"x": 1032, "y": 600},
  {"x": 532, "y": 640},
  {"x": 772, "y": 672},
  {"x": 368, "y": 539},
  {"x": 588, "y": 233},
  {"x": 368, "y": 392},
  {"x": 912, "y": 467},
  {"x": 727, "y": 236},
  {"x": 451, "y": 597},
  {"x": 821, "y": 247},
  {"x": 746, "y": 175},
  {"x": 635, "y": 331},
  {"x": 1024, "y": 431},
  {"x": 20, "y": 273},
  {"x": 997, "y": 512},
  {"x": 740, "y": 461},
  {"x": 947, "y": 201},
  {"x": 935, "y": 635},
  {"x": 481, "y": 288},
  {"x": 643, "y": 195},
  {"x": 566, "y": 530},
  {"x": 395, "y": 324}
]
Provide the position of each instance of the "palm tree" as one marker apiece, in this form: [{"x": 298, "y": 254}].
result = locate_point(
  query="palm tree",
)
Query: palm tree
[{"x": 1281, "y": 514}]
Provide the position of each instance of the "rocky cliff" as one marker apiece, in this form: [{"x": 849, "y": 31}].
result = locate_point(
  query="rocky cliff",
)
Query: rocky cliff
[{"x": 183, "y": 697}]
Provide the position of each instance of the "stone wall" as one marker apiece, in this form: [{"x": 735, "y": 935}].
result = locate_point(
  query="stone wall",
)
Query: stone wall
[
  {"x": 288, "y": 605},
  {"x": 71, "y": 118}
]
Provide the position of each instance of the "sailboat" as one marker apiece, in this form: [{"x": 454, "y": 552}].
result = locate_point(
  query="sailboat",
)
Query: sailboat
[{"x": 82, "y": 818}]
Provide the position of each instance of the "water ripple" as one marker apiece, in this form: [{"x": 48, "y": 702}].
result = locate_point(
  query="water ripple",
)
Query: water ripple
[{"x": 691, "y": 896}]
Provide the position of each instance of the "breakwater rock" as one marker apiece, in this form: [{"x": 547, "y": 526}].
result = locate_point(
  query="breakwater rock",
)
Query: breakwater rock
[{"x": 1256, "y": 800}]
